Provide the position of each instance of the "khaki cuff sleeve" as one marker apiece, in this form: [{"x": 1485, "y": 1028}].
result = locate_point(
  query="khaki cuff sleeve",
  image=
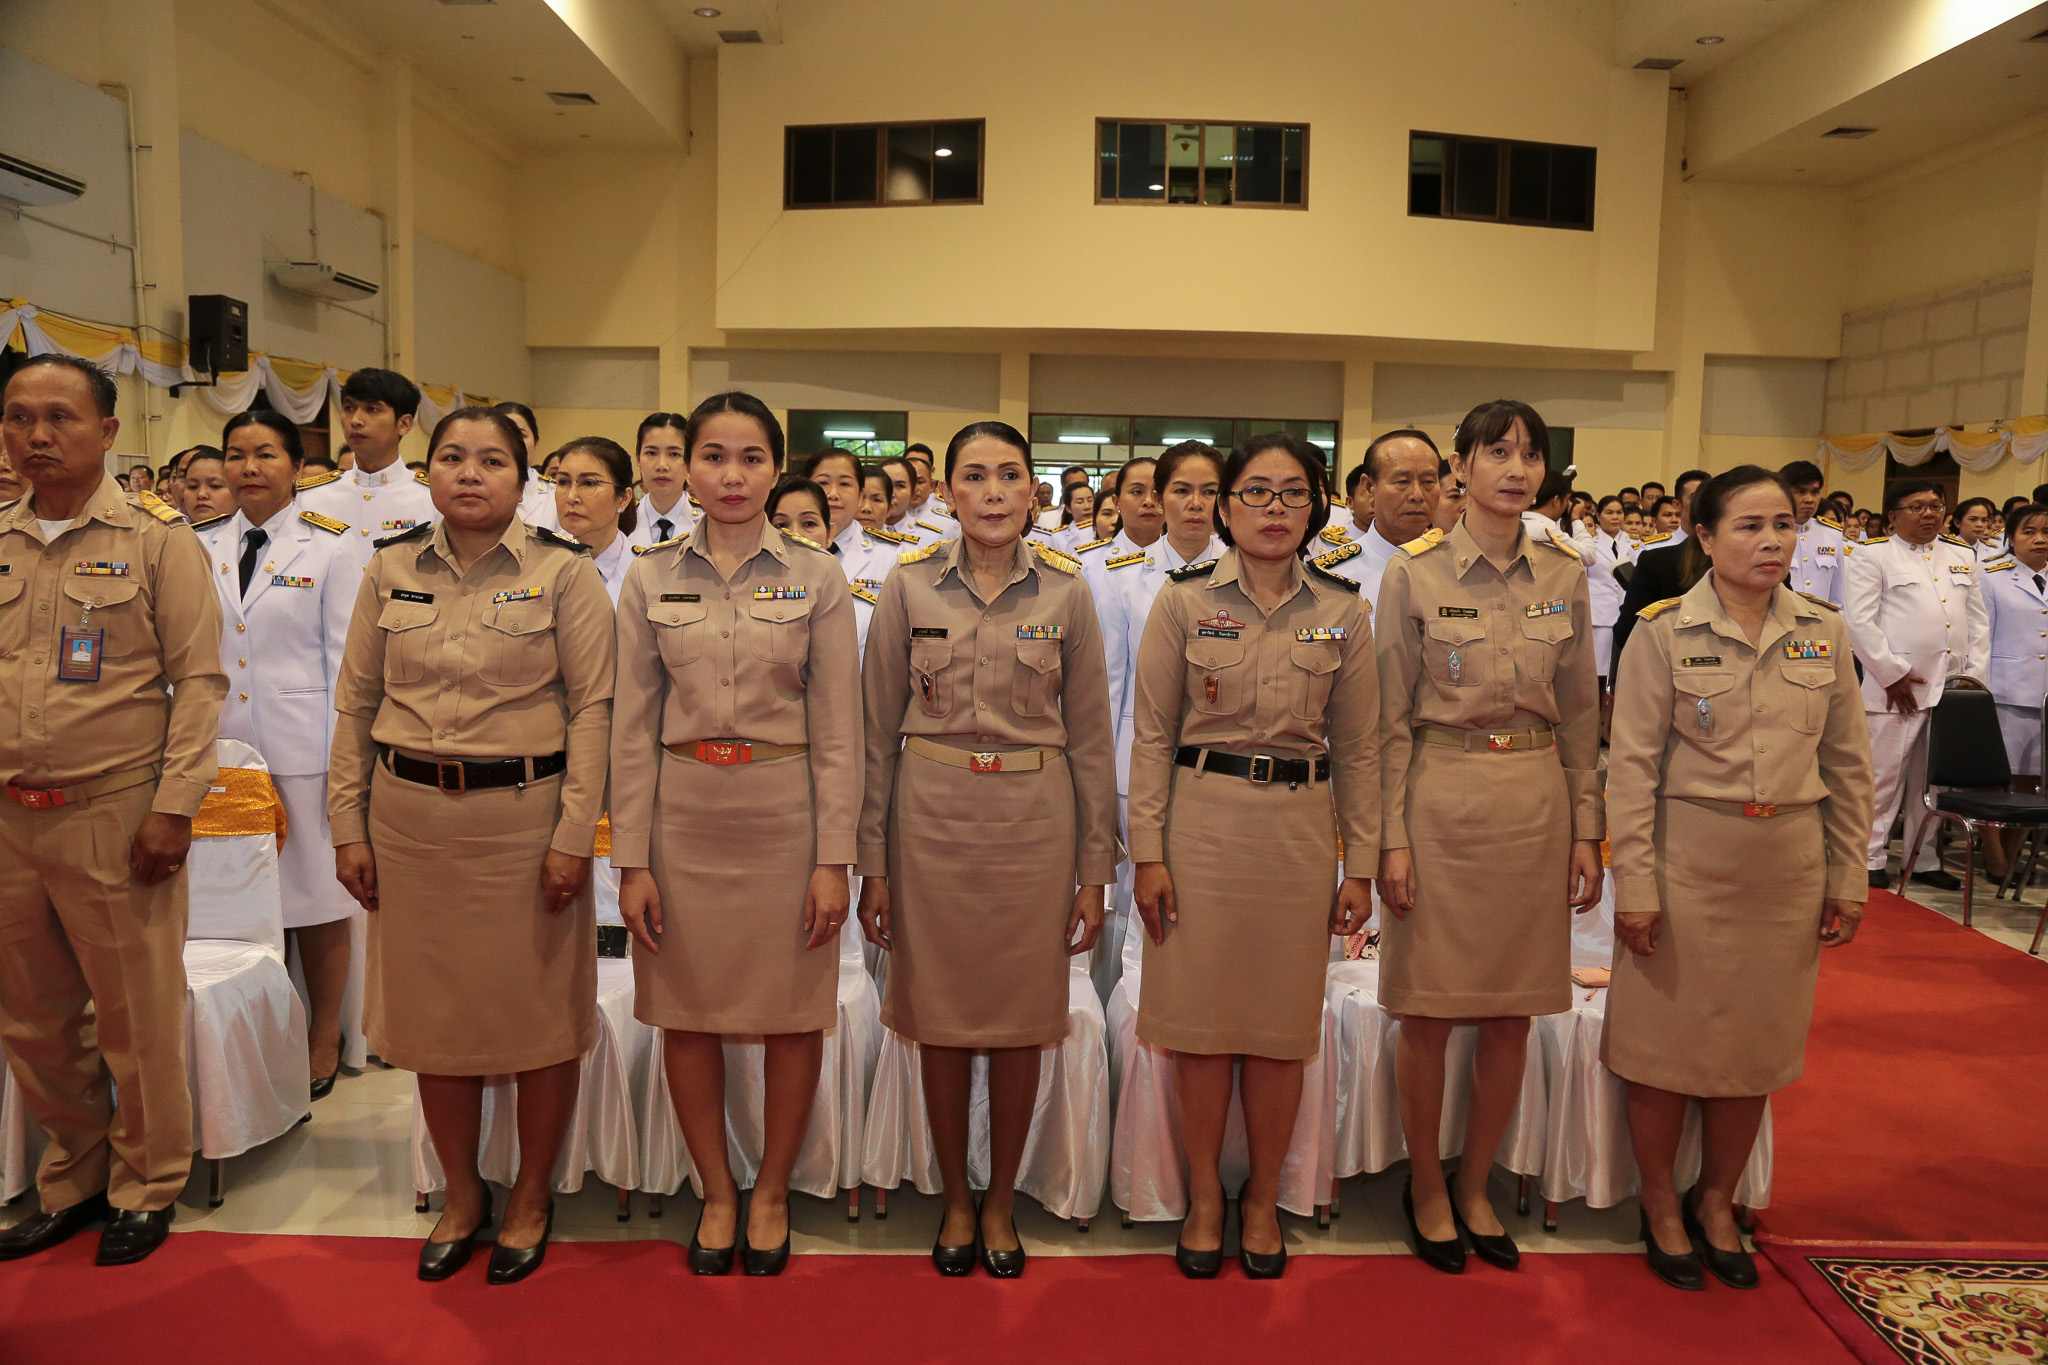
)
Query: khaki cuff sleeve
[
  {"x": 1848, "y": 882},
  {"x": 1148, "y": 846},
  {"x": 1589, "y": 804},
  {"x": 1098, "y": 869},
  {"x": 873, "y": 860},
  {"x": 836, "y": 848},
  {"x": 349, "y": 827},
  {"x": 575, "y": 840},
  {"x": 630, "y": 847},
  {"x": 176, "y": 796},
  {"x": 1636, "y": 895}
]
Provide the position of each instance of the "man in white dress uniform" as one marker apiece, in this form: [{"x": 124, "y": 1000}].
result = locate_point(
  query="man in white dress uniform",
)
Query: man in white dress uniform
[
  {"x": 1399, "y": 477},
  {"x": 1822, "y": 548},
  {"x": 380, "y": 496}
]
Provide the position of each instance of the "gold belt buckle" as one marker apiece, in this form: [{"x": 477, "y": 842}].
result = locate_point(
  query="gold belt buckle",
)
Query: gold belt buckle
[
  {"x": 1759, "y": 809},
  {"x": 724, "y": 752},
  {"x": 985, "y": 763},
  {"x": 1498, "y": 742},
  {"x": 442, "y": 767}
]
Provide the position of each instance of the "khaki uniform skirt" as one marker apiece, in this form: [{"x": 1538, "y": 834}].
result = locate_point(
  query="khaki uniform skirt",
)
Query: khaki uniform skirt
[
  {"x": 981, "y": 885},
  {"x": 469, "y": 975},
  {"x": 732, "y": 854},
  {"x": 1490, "y": 936},
  {"x": 1254, "y": 877},
  {"x": 1722, "y": 1007}
]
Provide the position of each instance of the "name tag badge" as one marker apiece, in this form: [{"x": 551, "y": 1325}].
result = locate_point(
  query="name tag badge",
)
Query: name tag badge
[
  {"x": 681, "y": 597},
  {"x": 78, "y": 658},
  {"x": 100, "y": 568},
  {"x": 1467, "y": 613},
  {"x": 1807, "y": 649},
  {"x": 1702, "y": 661},
  {"x": 285, "y": 580},
  {"x": 1041, "y": 632},
  {"x": 407, "y": 595},
  {"x": 927, "y": 632},
  {"x": 518, "y": 595}
]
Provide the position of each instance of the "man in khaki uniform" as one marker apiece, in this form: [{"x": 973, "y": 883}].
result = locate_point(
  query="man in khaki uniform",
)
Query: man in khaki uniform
[{"x": 109, "y": 698}]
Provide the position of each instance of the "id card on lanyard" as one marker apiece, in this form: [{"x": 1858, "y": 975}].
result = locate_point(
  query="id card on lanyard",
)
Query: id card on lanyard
[{"x": 79, "y": 649}]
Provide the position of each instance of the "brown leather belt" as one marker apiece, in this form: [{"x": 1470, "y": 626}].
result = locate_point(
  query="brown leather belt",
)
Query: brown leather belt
[
  {"x": 726, "y": 753},
  {"x": 50, "y": 798},
  {"x": 983, "y": 761},
  {"x": 1486, "y": 741}
]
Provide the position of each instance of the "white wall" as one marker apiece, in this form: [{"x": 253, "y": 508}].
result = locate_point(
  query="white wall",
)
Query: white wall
[
  {"x": 1441, "y": 395},
  {"x": 1754, "y": 396},
  {"x": 469, "y": 324},
  {"x": 856, "y": 381},
  {"x": 1148, "y": 386},
  {"x": 57, "y": 122}
]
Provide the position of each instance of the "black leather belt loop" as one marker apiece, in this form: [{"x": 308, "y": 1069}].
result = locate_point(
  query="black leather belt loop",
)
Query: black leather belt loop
[
  {"x": 1260, "y": 769},
  {"x": 458, "y": 775}
]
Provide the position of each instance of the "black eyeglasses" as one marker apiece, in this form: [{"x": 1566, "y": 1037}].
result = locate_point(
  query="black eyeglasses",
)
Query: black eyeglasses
[{"x": 1297, "y": 498}]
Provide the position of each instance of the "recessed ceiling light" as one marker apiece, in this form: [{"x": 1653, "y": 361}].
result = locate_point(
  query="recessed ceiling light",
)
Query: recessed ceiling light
[
  {"x": 1155, "y": 187},
  {"x": 943, "y": 151},
  {"x": 1709, "y": 40},
  {"x": 707, "y": 12}
]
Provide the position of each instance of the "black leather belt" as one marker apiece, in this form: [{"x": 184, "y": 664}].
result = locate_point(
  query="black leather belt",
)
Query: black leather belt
[
  {"x": 457, "y": 775},
  {"x": 1260, "y": 769}
]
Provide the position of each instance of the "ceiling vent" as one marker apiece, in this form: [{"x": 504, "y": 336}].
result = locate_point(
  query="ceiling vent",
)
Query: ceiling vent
[
  {"x": 574, "y": 98},
  {"x": 1848, "y": 132},
  {"x": 25, "y": 182},
  {"x": 322, "y": 281},
  {"x": 739, "y": 35},
  {"x": 1659, "y": 63}
]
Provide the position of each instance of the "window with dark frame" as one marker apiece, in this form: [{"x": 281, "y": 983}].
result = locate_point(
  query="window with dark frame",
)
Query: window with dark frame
[
  {"x": 1218, "y": 165},
  {"x": 881, "y": 165},
  {"x": 1497, "y": 180}
]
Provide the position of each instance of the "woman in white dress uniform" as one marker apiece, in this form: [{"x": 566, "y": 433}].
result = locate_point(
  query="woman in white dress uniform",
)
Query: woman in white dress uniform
[
  {"x": 797, "y": 506},
  {"x": 865, "y": 560},
  {"x": 288, "y": 580}
]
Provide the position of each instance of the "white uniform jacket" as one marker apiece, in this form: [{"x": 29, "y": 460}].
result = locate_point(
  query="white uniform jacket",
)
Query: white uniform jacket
[
  {"x": 1818, "y": 559},
  {"x": 375, "y": 505},
  {"x": 866, "y": 562},
  {"x": 2018, "y": 615},
  {"x": 1915, "y": 609},
  {"x": 1362, "y": 558},
  {"x": 646, "y": 522}
]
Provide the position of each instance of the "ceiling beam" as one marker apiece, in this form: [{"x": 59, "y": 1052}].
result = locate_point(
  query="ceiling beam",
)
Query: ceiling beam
[{"x": 640, "y": 51}]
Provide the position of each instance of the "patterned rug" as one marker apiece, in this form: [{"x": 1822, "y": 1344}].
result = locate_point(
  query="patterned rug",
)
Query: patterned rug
[{"x": 1938, "y": 1305}]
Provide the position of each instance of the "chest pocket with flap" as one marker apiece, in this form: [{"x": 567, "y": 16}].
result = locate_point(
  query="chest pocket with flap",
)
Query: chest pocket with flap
[
  {"x": 1454, "y": 650},
  {"x": 1217, "y": 675},
  {"x": 406, "y": 636},
  {"x": 679, "y": 631},
  {"x": 520, "y": 643}
]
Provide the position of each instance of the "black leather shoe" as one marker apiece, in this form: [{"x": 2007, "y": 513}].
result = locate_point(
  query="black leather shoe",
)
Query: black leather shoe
[
  {"x": 1004, "y": 1265},
  {"x": 324, "y": 1087},
  {"x": 1258, "y": 1265},
  {"x": 1939, "y": 880},
  {"x": 769, "y": 1262},
  {"x": 710, "y": 1260},
  {"x": 1880, "y": 879},
  {"x": 1197, "y": 1265},
  {"x": 1447, "y": 1256},
  {"x": 41, "y": 1231},
  {"x": 132, "y": 1234},
  {"x": 1736, "y": 1269},
  {"x": 1680, "y": 1270},
  {"x": 510, "y": 1265},
  {"x": 439, "y": 1260},
  {"x": 957, "y": 1261},
  {"x": 1496, "y": 1249}
]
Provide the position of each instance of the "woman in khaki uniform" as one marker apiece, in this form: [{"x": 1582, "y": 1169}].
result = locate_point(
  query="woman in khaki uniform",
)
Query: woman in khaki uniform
[
  {"x": 735, "y": 792},
  {"x": 1256, "y": 677},
  {"x": 977, "y": 828},
  {"x": 464, "y": 790},
  {"x": 1490, "y": 755},
  {"x": 1739, "y": 782}
]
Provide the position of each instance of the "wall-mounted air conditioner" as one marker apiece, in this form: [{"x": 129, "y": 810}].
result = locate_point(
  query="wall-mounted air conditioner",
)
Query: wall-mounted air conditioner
[
  {"x": 322, "y": 281},
  {"x": 25, "y": 182}
]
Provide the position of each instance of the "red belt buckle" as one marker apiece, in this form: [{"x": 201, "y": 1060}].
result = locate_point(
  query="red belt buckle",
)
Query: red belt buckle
[
  {"x": 1759, "y": 809},
  {"x": 985, "y": 763},
  {"x": 724, "y": 752},
  {"x": 1500, "y": 741},
  {"x": 33, "y": 798}
]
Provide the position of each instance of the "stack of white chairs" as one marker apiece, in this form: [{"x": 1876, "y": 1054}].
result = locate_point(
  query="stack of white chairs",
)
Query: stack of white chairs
[
  {"x": 829, "y": 1160},
  {"x": 245, "y": 1027},
  {"x": 1148, "y": 1169},
  {"x": 1068, "y": 1147},
  {"x": 20, "y": 1140}
]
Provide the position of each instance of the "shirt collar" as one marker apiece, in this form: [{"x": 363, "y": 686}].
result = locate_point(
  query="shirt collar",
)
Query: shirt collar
[
  {"x": 770, "y": 542},
  {"x": 1226, "y": 571},
  {"x": 853, "y": 539},
  {"x": 1377, "y": 547},
  {"x": 611, "y": 557},
  {"x": 514, "y": 541},
  {"x": 1169, "y": 558},
  {"x": 1701, "y": 605},
  {"x": 1465, "y": 549},
  {"x": 1023, "y": 565},
  {"x": 390, "y": 473},
  {"x": 107, "y": 503}
]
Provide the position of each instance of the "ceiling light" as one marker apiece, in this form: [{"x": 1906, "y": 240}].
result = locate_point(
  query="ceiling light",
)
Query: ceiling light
[
  {"x": 849, "y": 435},
  {"x": 1176, "y": 440},
  {"x": 707, "y": 12},
  {"x": 1155, "y": 187},
  {"x": 1326, "y": 445},
  {"x": 1084, "y": 440},
  {"x": 943, "y": 151},
  {"x": 1709, "y": 41}
]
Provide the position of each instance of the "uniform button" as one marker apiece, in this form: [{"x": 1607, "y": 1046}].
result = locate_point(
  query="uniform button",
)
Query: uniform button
[
  {"x": 466, "y": 591},
  {"x": 1761, "y": 749},
  {"x": 448, "y": 686},
  {"x": 456, "y": 638},
  {"x": 725, "y": 682},
  {"x": 241, "y": 629},
  {"x": 440, "y": 734},
  {"x": 33, "y": 714},
  {"x": 43, "y": 606},
  {"x": 981, "y": 706},
  {"x": 725, "y": 635},
  {"x": 1503, "y": 649},
  {"x": 38, "y": 663},
  {"x": 244, "y": 696},
  {"x": 1759, "y": 710},
  {"x": 984, "y": 658}
]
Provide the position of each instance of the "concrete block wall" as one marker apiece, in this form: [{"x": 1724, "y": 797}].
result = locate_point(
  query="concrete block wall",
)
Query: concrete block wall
[{"x": 1941, "y": 360}]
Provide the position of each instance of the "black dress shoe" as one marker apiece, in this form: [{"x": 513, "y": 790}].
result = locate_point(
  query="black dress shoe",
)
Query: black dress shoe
[
  {"x": 710, "y": 1260},
  {"x": 1496, "y": 1249},
  {"x": 132, "y": 1234},
  {"x": 1197, "y": 1265},
  {"x": 957, "y": 1261},
  {"x": 324, "y": 1087},
  {"x": 439, "y": 1260},
  {"x": 1680, "y": 1270},
  {"x": 1258, "y": 1265},
  {"x": 510, "y": 1265},
  {"x": 1880, "y": 879},
  {"x": 769, "y": 1262},
  {"x": 1736, "y": 1269},
  {"x": 1939, "y": 880},
  {"x": 1447, "y": 1256},
  {"x": 1004, "y": 1265},
  {"x": 41, "y": 1231}
]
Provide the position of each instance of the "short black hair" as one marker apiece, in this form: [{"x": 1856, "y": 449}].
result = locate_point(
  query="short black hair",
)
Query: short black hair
[
  {"x": 477, "y": 413},
  {"x": 1313, "y": 469},
  {"x": 105, "y": 395},
  {"x": 1990, "y": 508},
  {"x": 1692, "y": 476},
  {"x": 388, "y": 387},
  {"x": 804, "y": 486},
  {"x": 1662, "y": 503},
  {"x": 1365, "y": 464},
  {"x": 1174, "y": 456},
  {"x": 2014, "y": 501},
  {"x": 999, "y": 431},
  {"x": 1630, "y": 488},
  {"x": 2018, "y": 515},
  {"x": 654, "y": 421},
  {"x": 1802, "y": 474},
  {"x": 1906, "y": 488},
  {"x": 276, "y": 422},
  {"x": 524, "y": 413},
  {"x": 742, "y": 404},
  {"x": 2040, "y": 493},
  {"x": 1069, "y": 472},
  {"x": 1492, "y": 420},
  {"x": 834, "y": 453},
  {"x": 1710, "y": 504},
  {"x": 1615, "y": 498},
  {"x": 1556, "y": 484},
  {"x": 918, "y": 448},
  {"x": 315, "y": 462},
  {"x": 1116, "y": 485}
]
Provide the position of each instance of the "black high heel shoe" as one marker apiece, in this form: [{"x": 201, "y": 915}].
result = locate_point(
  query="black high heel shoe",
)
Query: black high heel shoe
[
  {"x": 711, "y": 1260},
  {"x": 1004, "y": 1265},
  {"x": 324, "y": 1087},
  {"x": 1736, "y": 1269},
  {"x": 439, "y": 1260},
  {"x": 1680, "y": 1270},
  {"x": 510, "y": 1265},
  {"x": 1496, "y": 1249},
  {"x": 1447, "y": 1256},
  {"x": 1258, "y": 1265},
  {"x": 770, "y": 1262},
  {"x": 954, "y": 1262}
]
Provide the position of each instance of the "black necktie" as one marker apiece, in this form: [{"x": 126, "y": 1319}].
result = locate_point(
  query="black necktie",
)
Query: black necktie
[
  {"x": 666, "y": 527},
  {"x": 251, "y": 552},
  {"x": 2039, "y": 586}
]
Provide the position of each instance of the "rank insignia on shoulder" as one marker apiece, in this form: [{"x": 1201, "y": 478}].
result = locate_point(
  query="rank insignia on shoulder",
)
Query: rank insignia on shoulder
[
  {"x": 1957, "y": 540},
  {"x": 1820, "y": 601},
  {"x": 1186, "y": 572},
  {"x": 1335, "y": 535},
  {"x": 893, "y": 537},
  {"x": 1468, "y": 613},
  {"x": 1656, "y": 609},
  {"x": 417, "y": 531},
  {"x": 1997, "y": 564},
  {"x": 554, "y": 537},
  {"x": 1701, "y": 661},
  {"x": 419, "y": 476},
  {"x": 1554, "y": 607},
  {"x": 806, "y": 540},
  {"x": 1829, "y": 522},
  {"x": 317, "y": 480},
  {"x": 1119, "y": 561},
  {"x": 1093, "y": 545},
  {"x": 935, "y": 530},
  {"x": 1807, "y": 649},
  {"x": 865, "y": 594},
  {"x": 1877, "y": 540},
  {"x": 1320, "y": 567},
  {"x": 158, "y": 508},
  {"x": 1559, "y": 543},
  {"x": 1335, "y": 557},
  {"x": 285, "y": 580},
  {"x": 659, "y": 545},
  {"x": 211, "y": 522},
  {"x": 781, "y": 592},
  {"x": 1428, "y": 540},
  {"x": 918, "y": 556},
  {"x": 1658, "y": 539},
  {"x": 1053, "y": 559},
  {"x": 1313, "y": 634},
  {"x": 519, "y": 595},
  {"x": 101, "y": 568},
  {"x": 1041, "y": 632},
  {"x": 323, "y": 522}
]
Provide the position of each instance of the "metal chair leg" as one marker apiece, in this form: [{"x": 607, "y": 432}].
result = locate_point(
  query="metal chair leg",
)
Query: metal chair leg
[
  {"x": 1969, "y": 868},
  {"x": 215, "y": 1176},
  {"x": 654, "y": 1206},
  {"x": 1550, "y": 1215},
  {"x": 419, "y": 1201},
  {"x": 2039, "y": 925},
  {"x": 1913, "y": 854},
  {"x": 1336, "y": 1195},
  {"x": 853, "y": 1205},
  {"x": 625, "y": 1205},
  {"x": 881, "y": 1205},
  {"x": 1522, "y": 1196}
]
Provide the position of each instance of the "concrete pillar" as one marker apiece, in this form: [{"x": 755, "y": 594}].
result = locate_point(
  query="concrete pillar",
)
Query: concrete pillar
[
  {"x": 1013, "y": 390},
  {"x": 141, "y": 44},
  {"x": 394, "y": 149},
  {"x": 1355, "y": 430},
  {"x": 2033, "y": 398}
]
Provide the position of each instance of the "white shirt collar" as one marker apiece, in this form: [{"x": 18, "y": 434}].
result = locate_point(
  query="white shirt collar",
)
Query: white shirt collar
[
  {"x": 1376, "y": 546},
  {"x": 852, "y": 540},
  {"x": 390, "y": 473},
  {"x": 612, "y": 562}
]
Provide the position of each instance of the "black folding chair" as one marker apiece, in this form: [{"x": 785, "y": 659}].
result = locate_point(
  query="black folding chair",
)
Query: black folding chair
[
  {"x": 2028, "y": 855},
  {"x": 1624, "y": 574},
  {"x": 1966, "y": 757}
]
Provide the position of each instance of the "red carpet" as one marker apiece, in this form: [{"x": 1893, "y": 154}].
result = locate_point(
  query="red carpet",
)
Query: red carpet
[
  {"x": 227, "y": 1298},
  {"x": 1925, "y": 1304},
  {"x": 1923, "y": 1114}
]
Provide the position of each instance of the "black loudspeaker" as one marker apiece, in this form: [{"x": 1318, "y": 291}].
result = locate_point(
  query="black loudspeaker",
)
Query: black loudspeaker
[{"x": 218, "y": 334}]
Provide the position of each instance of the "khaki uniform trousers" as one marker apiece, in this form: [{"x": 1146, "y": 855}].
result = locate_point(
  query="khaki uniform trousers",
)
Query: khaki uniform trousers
[{"x": 92, "y": 999}]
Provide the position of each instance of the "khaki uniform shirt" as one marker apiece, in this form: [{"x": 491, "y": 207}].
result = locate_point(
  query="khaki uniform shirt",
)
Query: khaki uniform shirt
[
  {"x": 1218, "y": 671},
  {"x": 1026, "y": 668},
  {"x": 131, "y": 567},
  {"x": 767, "y": 655},
  {"x": 1474, "y": 645},
  {"x": 1700, "y": 714},
  {"x": 512, "y": 659}
]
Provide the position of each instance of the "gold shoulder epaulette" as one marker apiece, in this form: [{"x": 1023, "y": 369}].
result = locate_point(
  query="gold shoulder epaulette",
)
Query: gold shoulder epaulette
[
  {"x": 324, "y": 523},
  {"x": 1334, "y": 535},
  {"x": 1427, "y": 541},
  {"x": 1819, "y": 601},
  {"x": 1829, "y": 522},
  {"x": 935, "y": 530},
  {"x": 212, "y": 522},
  {"x": 1998, "y": 564},
  {"x": 806, "y": 540},
  {"x": 1658, "y": 539},
  {"x": 1559, "y": 543},
  {"x": 915, "y": 556},
  {"x": 1957, "y": 540},
  {"x": 317, "y": 480},
  {"x": 893, "y": 537},
  {"x": 1877, "y": 540},
  {"x": 1093, "y": 545},
  {"x": 419, "y": 476},
  {"x": 554, "y": 537},
  {"x": 1335, "y": 580},
  {"x": 1054, "y": 559},
  {"x": 659, "y": 545},
  {"x": 158, "y": 508},
  {"x": 1183, "y": 574},
  {"x": 1119, "y": 561},
  {"x": 1338, "y": 556},
  {"x": 1655, "y": 608},
  {"x": 864, "y": 594},
  {"x": 693, "y": 499},
  {"x": 425, "y": 528}
]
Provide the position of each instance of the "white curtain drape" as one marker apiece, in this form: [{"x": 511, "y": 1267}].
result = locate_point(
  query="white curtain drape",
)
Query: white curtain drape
[{"x": 1976, "y": 449}]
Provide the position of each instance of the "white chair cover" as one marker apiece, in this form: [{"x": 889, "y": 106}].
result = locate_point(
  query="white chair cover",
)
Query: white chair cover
[
  {"x": 604, "y": 1130},
  {"x": 1148, "y": 1172},
  {"x": 245, "y": 1028},
  {"x": 1067, "y": 1152},
  {"x": 21, "y": 1142},
  {"x": 829, "y": 1160}
]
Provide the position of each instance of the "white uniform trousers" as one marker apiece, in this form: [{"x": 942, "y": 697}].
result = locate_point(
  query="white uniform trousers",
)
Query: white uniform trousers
[
  {"x": 1898, "y": 755},
  {"x": 1106, "y": 966}
]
